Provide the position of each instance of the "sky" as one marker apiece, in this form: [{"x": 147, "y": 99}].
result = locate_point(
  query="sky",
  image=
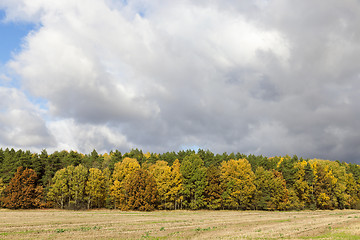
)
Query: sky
[{"x": 263, "y": 77}]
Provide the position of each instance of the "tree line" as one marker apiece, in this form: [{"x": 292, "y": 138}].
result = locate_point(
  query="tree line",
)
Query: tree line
[{"x": 174, "y": 180}]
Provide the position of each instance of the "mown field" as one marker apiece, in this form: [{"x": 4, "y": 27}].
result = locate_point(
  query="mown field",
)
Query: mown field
[{"x": 113, "y": 224}]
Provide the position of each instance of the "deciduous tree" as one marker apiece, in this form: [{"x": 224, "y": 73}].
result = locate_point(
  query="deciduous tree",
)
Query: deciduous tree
[
  {"x": 22, "y": 191},
  {"x": 271, "y": 191},
  {"x": 176, "y": 185},
  {"x": 163, "y": 177},
  {"x": 304, "y": 184},
  {"x": 95, "y": 189},
  {"x": 122, "y": 171},
  {"x": 77, "y": 182},
  {"x": 141, "y": 191},
  {"x": 237, "y": 179},
  {"x": 59, "y": 192},
  {"x": 213, "y": 190}
]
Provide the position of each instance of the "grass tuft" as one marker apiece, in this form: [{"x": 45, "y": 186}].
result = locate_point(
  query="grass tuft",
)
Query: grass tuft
[{"x": 60, "y": 230}]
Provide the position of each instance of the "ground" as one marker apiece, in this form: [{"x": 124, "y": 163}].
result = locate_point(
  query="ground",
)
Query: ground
[{"x": 114, "y": 224}]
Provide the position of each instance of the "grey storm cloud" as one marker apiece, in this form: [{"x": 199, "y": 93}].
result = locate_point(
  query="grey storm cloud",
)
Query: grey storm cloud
[{"x": 262, "y": 77}]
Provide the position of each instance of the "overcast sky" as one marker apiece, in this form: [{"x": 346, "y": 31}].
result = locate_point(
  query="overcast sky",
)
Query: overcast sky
[{"x": 270, "y": 77}]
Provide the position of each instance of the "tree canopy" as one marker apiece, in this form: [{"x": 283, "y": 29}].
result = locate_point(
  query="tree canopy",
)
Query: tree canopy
[{"x": 183, "y": 180}]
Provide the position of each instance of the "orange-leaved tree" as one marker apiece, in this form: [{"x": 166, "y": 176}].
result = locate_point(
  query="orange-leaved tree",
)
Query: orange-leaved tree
[{"x": 22, "y": 191}]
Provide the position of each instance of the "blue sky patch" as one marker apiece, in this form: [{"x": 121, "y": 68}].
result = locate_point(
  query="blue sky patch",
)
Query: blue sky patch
[{"x": 11, "y": 37}]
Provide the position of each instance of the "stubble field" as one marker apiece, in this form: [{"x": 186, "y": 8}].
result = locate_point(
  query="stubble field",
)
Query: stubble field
[{"x": 113, "y": 224}]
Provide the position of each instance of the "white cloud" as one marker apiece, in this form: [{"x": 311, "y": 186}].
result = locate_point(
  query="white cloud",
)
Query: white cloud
[
  {"x": 21, "y": 123},
  {"x": 4, "y": 78},
  {"x": 164, "y": 74},
  {"x": 86, "y": 137}
]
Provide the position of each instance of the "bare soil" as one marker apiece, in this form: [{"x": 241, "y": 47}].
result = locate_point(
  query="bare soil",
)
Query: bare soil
[{"x": 114, "y": 224}]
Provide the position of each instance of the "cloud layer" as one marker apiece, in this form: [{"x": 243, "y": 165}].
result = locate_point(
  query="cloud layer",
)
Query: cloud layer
[{"x": 262, "y": 77}]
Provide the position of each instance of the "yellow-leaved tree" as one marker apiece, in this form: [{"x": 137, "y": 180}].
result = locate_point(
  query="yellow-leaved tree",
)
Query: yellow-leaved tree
[
  {"x": 59, "y": 190},
  {"x": 162, "y": 175},
  {"x": 304, "y": 185},
  {"x": 95, "y": 189},
  {"x": 122, "y": 171},
  {"x": 328, "y": 190},
  {"x": 237, "y": 180},
  {"x": 141, "y": 191},
  {"x": 176, "y": 185},
  {"x": 77, "y": 182}
]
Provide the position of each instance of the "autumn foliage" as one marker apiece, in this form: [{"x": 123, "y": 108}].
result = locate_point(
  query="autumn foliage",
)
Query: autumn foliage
[
  {"x": 141, "y": 191},
  {"x": 184, "y": 180},
  {"x": 22, "y": 191}
]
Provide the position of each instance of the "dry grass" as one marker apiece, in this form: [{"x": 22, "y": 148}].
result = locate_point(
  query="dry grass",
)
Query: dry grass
[{"x": 112, "y": 224}]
